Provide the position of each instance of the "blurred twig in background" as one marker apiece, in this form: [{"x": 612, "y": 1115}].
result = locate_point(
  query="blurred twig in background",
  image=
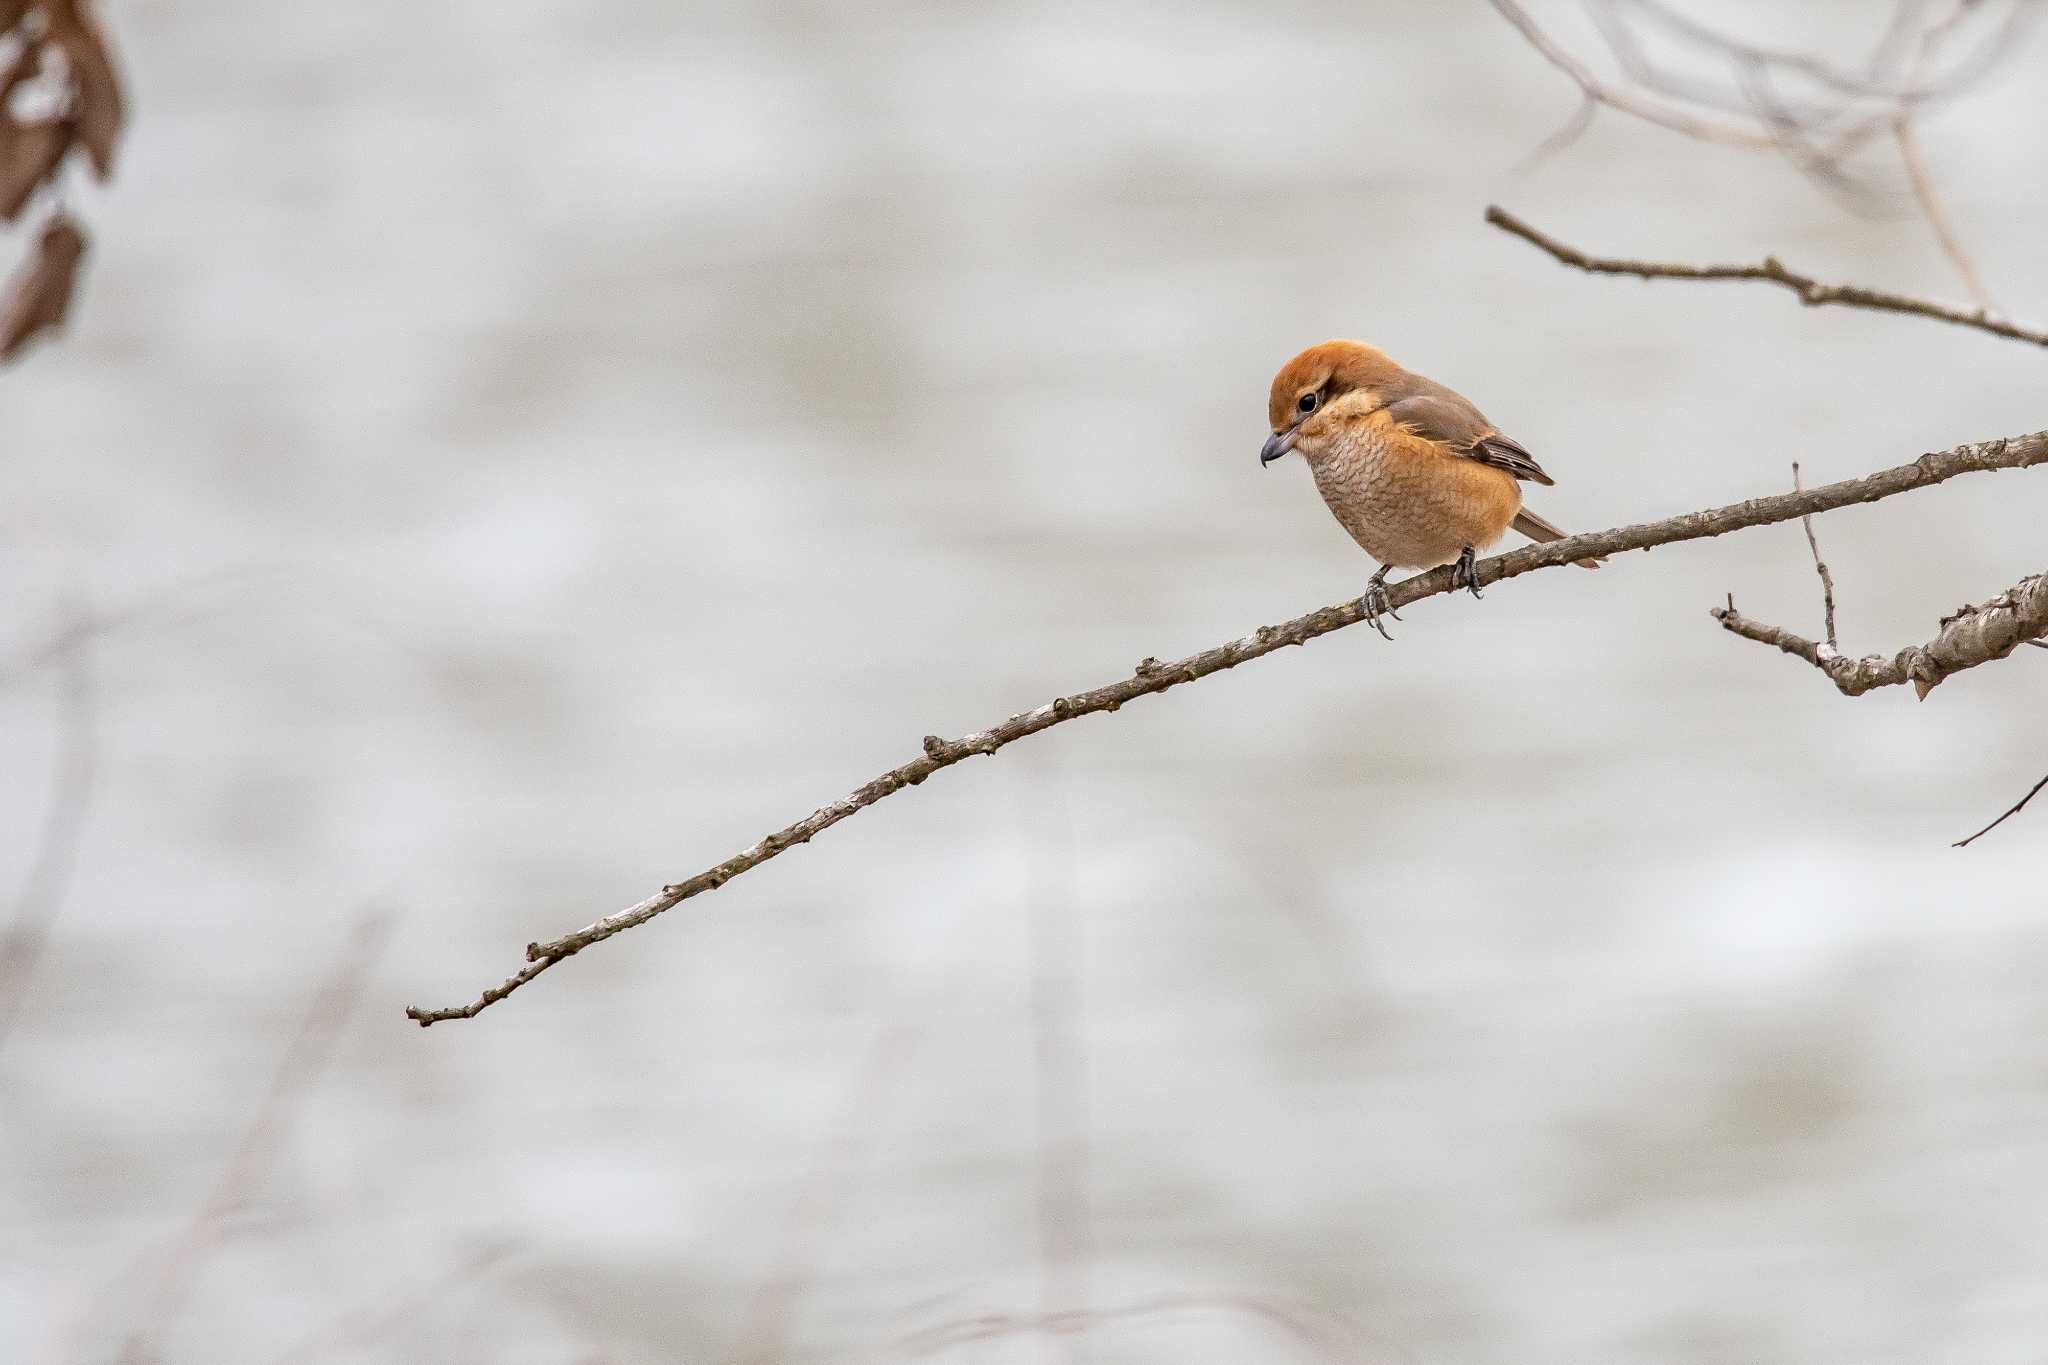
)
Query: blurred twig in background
[
  {"x": 57, "y": 51},
  {"x": 1771, "y": 270},
  {"x": 1152, "y": 676},
  {"x": 44, "y": 891},
  {"x": 1597, "y": 91},
  {"x": 1060, "y": 1068},
  {"x": 365, "y": 1323},
  {"x": 1330, "y": 1334},
  {"x": 1921, "y": 178},
  {"x": 167, "y": 1275},
  {"x": 843, "y": 1155},
  {"x": 1815, "y": 109}
]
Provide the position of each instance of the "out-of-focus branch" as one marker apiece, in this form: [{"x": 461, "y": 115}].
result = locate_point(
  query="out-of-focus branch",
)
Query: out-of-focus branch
[
  {"x": 45, "y": 891},
  {"x": 1620, "y": 97},
  {"x": 2017, "y": 807},
  {"x": 1922, "y": 180},
  {"x": 1906, "y": 134},
  {"x": 844, "y": 1154},
  {"x": 370, "y": 1321},
  {"x": 311, "y": 1048},
  {"x": 1329, "y": 1334},
  {"x": 1907, "y": 70},
  {"x": 1818, "y": 109},
  {"x": 1152, "y": 676},
  {"x": 1815, "y": 108},
  {"x": 1064, "y": 1242},
  {"x": 1975, "y": 635},
  {"x": 1771, "y": 270}
]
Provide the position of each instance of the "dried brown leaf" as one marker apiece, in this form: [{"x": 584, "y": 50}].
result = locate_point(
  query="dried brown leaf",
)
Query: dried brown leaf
[
  {"x": 27, "y": 62},
  {"x": 40, "y": 294},
  {"x": 97, "y": 90},
  {"x": 29, "y": 153}
]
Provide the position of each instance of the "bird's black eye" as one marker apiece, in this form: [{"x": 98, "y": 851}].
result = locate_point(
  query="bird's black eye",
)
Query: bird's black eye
[{"x": 1308, "y": 402}]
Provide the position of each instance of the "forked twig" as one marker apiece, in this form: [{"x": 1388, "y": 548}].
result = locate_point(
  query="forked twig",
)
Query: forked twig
[{"x": 1972, "y": 636}]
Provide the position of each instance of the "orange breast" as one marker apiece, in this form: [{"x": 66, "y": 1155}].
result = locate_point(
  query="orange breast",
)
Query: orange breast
[{"x": 1411, "y": 502}]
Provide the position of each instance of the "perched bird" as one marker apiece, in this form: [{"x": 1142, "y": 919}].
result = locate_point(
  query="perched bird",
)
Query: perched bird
[{"x": 1411, "y": 469}]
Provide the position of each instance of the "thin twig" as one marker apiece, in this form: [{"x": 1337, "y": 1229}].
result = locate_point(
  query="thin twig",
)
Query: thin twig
[
  {"x": 2019, "y": 806},
  {"x": 1827, "y": 580},
  {"x": 842, "y": 1157},
  {"x": 1906, "y": 134},
  {"x": 1797, "y": 138},
  {"x": 1059, "y": 1069},
  {"x": 1572, "y": 130},
  {"x": 1922, "y": 84},
  {"x": 1809, "y": 290},
  {"x": 1331, "y": 1335},
  {"x": 1922, "y": 180},
  {"x": 311, "y": 1048},
  {"x": 1839, "y": 110},
  {"x": 46, "y": 889},
  {"x": 363, "y": 1323},
  {"x": 1975, "y": 635},
  {"x": 1626, "y": 101},
  {"x": 1152, "y": 676}
]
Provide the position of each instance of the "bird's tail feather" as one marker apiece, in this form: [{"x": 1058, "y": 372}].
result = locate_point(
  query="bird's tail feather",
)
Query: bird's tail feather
[{"x": 1542, "y": 532}]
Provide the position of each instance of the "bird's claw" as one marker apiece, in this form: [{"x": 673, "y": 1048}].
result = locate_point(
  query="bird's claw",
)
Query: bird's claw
[
  {"x": 1464, "y": 574},
  {"x": 1375, "y": 604}
]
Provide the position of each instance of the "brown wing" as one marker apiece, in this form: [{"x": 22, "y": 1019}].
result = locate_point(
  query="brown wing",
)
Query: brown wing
[{"x": 1451, "y": 420}]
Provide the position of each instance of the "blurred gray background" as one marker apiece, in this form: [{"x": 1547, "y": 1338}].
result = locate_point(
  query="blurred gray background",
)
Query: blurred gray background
[{"x": 517, "y": 454}]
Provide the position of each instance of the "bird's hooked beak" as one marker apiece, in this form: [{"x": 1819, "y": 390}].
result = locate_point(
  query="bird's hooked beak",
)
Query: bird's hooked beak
[{"x": 1278, "y": 444}]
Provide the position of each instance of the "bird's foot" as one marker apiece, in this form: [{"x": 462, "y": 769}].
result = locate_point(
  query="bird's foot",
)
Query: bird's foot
[
  {"x": 1375, "y": 603},
  {"x": 1464, "y": 575}
]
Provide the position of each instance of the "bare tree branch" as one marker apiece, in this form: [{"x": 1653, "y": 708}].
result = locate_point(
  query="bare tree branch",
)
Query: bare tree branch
[
  {"x": 1975, "y": 635},
  {"x": 2018, "y": 806},
  {"x": 1151, "y": 676},
  {"x": 1809, "y": 290},
  {"x": 1827, "y": 580}
]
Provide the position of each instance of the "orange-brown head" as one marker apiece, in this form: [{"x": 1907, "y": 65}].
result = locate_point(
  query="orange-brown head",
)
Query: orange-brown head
[{"x": 1319, "y": 390}]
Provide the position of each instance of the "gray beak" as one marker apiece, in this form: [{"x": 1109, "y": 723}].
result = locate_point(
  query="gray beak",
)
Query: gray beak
[{"x": 1278, "y": 444}]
